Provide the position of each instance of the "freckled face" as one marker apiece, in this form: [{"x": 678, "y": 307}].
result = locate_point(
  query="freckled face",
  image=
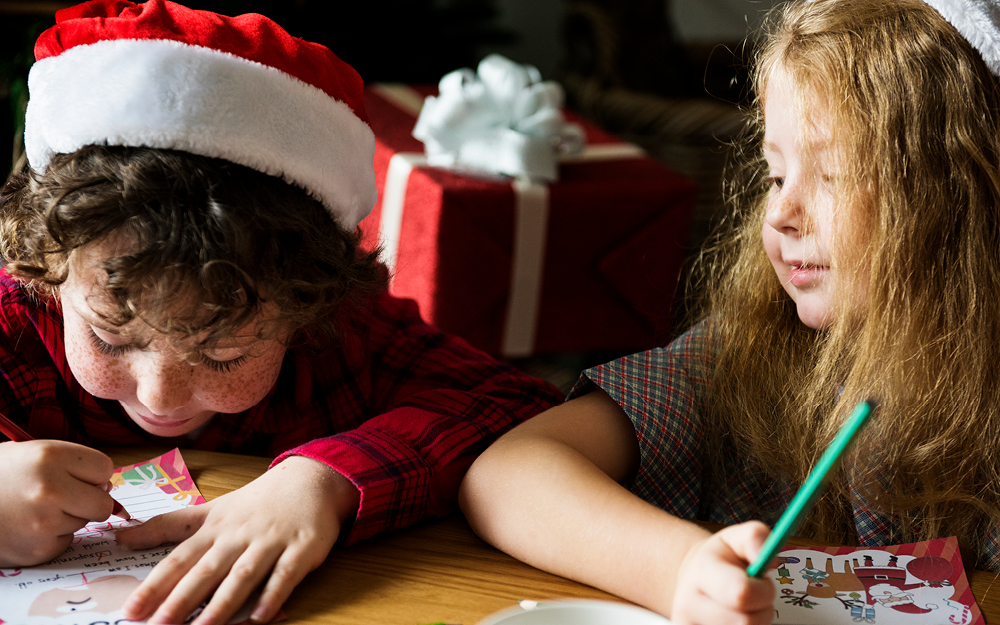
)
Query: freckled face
[{"x": 144, "y": 370}]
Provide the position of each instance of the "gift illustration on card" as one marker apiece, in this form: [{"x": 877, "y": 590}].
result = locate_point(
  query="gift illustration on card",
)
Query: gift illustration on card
[
  {"x": 89, "y": 582},
  {"x": 915, "y": 583},
  {"x": 166, "y": 474}
]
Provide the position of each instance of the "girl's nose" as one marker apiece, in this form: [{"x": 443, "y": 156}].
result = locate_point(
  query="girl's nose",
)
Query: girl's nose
[
  {"x": 784, "y": 209},
  {"x": 163, "y": 384}
]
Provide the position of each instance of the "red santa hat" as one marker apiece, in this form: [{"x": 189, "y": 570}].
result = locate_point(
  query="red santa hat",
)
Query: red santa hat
[{"x": 157, "y": 74}]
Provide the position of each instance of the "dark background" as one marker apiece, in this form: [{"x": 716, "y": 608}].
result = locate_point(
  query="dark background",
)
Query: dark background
[{"x": 603, "y": 45}]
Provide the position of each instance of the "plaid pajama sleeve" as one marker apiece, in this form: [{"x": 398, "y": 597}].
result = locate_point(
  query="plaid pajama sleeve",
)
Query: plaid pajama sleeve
[
  {"x": 397, "y": 406},
  {"x": 436, "y": 403}
]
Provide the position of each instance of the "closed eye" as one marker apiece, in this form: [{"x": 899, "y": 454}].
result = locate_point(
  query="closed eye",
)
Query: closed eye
[
  {"x": 107, "y": 348},
  {"x": 110, "y": 349},
  {"x": 223, "y": 366}
]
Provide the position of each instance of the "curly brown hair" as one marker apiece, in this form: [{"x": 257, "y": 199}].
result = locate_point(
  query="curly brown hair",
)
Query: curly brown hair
[{"x": 225, "y": 238}]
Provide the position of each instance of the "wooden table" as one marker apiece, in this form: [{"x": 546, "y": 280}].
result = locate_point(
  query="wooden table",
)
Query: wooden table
[{"x": 438, "y": 571}]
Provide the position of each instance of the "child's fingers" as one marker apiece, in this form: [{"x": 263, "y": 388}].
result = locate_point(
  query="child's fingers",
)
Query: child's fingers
[
  {"x": 88, "y": 503},
  {"x": 164, "y": 577},
  {"x": 715, "y": 587},
  {"x": 196, "y": 585},
  {"x": 293, "y": 565},
  {"x": 52, "y": 524},
  {"x": 746, "y": 539},
  {"x": 86, "y": 464},
  {"x": 733, "y": 589},
  {"x": 738, "y": 546},
  {"x": 173, "y": 527},
  {"x": 49, "y": 527},
  {"x": 35, "y": 549},
  {"x": 703, "y": 610},
  {"x": 245, "y": 576}
]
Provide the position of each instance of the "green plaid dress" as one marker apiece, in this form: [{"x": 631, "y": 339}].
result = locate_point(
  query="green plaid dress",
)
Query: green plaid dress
[{"x": 663, "y": 391}]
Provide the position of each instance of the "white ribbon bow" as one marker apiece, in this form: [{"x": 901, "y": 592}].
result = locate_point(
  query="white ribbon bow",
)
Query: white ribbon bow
[{"x": 502, "y": 119}]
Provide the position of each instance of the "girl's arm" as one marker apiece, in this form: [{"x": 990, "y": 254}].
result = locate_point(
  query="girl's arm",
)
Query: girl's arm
[{"x": 548, "y": 493}]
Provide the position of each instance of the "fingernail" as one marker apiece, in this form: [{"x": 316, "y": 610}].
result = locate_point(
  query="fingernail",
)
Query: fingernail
[
  {"x": 259, "y": 615},
  {"x": 130, "y": 609}
]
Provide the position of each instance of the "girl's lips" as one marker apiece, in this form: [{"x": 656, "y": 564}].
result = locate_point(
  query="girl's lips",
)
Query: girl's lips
[{"x": 805, "y": 275}]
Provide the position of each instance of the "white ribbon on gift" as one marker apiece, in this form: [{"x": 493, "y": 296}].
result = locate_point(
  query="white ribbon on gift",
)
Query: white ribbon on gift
[
  {"x": 502, "y": 119},
  {"x": 531, "y": 214}
]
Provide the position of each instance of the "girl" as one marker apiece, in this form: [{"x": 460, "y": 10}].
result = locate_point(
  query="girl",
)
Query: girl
[
  {"x": 183, "y": 269},
  {"x": 866, "y": 263}
]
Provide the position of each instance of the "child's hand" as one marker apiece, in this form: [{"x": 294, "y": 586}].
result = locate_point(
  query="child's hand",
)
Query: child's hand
[
  {"x": 282, "y": 525},
  {"x": 49, "y": 490},
  {"x": 713, "y": 585}
]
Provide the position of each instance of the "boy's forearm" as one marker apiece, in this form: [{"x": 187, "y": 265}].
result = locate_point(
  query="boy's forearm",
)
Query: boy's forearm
[{"x": 546, "y": 504}]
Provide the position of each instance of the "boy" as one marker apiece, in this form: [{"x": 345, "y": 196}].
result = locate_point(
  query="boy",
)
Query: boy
[{"x": 184, "y": 268}]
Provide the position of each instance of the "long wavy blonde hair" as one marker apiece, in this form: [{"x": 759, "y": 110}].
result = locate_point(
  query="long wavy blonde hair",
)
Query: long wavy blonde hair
[{"x": 915, "y": 116}]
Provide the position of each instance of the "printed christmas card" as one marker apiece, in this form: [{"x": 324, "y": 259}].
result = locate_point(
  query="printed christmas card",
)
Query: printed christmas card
[
  {"x": 88, "y": 583},
  {"x": 913, "y": 584}
]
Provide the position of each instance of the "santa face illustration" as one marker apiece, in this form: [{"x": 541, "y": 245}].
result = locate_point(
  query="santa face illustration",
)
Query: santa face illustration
[{"x": 103, "y": 595}]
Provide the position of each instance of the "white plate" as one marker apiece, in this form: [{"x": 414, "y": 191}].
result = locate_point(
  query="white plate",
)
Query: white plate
[{"x": 574, "y": 612}]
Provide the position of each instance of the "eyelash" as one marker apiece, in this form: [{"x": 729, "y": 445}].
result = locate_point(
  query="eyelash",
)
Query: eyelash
[
  {"x": 107, "y": 348},
  {"x": 223, "y": 366},
  {"x": 218, "y": 366},
  {"x": 776, "y": 182}
]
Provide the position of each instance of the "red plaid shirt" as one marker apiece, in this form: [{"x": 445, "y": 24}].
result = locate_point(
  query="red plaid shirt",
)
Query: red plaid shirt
[{"x": 398, "y": 407}]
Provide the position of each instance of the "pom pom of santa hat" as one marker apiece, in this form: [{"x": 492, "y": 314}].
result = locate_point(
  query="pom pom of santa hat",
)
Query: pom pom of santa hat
[
  {"x": 160, "y": 75},
  {"x": 979, "y": 22}
]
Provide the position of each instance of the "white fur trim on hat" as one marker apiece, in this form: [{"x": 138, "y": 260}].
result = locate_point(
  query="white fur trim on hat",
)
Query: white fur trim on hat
[
  {"x": 979, "y": 22},
  {"x": 167, "y": 94}
]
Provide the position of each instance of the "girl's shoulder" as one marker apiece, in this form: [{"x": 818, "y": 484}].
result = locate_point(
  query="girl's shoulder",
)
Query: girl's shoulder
[
  {"x": 659, "y": 374},
  {"x": 692, "y": 352},
  {"x": 696, "y": 343}
]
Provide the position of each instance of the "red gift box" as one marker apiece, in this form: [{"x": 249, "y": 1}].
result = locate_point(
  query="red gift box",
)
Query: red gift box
[{"x": 588, "y": 263}]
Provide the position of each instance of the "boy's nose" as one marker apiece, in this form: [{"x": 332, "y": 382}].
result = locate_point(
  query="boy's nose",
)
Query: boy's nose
[{"x": 163, "y": 385}]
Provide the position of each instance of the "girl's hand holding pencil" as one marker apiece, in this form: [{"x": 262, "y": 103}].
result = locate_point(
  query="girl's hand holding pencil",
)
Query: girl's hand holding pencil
[{"x": 713, "y": 585}]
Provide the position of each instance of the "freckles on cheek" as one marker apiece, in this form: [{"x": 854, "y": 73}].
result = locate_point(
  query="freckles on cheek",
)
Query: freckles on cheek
[
  {"x": 242, "y": 388},
  {"x": 100, "y": 375}
]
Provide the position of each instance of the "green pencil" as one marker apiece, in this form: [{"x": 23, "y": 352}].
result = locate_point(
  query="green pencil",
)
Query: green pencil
[{"x": 804, "y": 499}]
